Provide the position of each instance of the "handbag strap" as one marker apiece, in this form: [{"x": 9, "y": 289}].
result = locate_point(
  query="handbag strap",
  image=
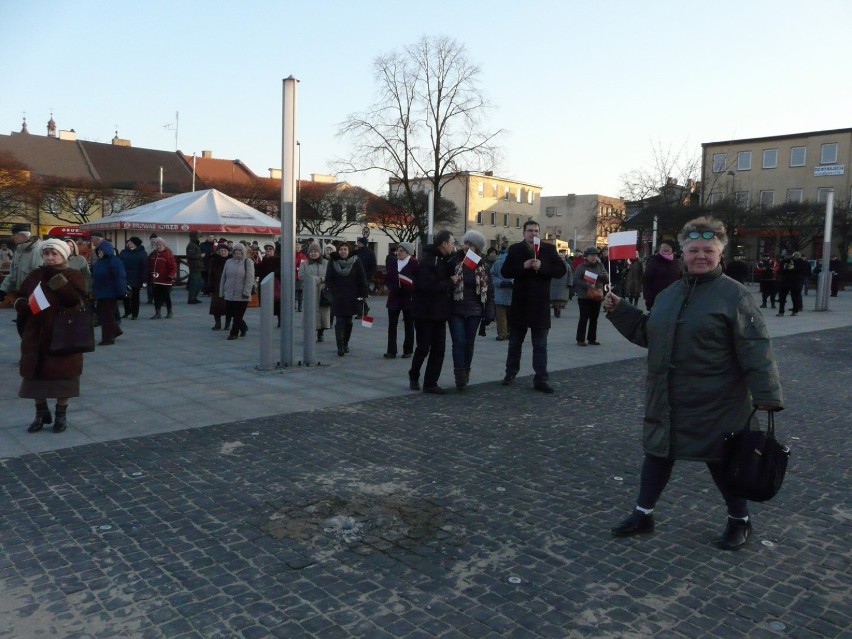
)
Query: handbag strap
[
  {"x": 747, "y": 426},
  {"x": 770, "y": 428}
]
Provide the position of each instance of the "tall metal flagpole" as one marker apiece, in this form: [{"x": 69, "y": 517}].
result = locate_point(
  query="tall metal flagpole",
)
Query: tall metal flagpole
[
  {"x": 824, "y": 279},
  {"x": 288, "y": 221}
]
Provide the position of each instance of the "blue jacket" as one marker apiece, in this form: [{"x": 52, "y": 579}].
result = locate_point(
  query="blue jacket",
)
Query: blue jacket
[
  {"x": 109, "y": 281},
  {"x": 502, "y": 285},
  {"x": 135, "y": 266}
]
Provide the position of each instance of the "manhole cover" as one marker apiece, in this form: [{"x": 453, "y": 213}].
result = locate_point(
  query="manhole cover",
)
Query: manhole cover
[{"x": 377, "y": 522}]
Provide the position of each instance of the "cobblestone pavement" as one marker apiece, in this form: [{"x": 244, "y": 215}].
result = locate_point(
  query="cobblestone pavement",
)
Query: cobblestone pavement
[{"x": 482, "y": 514}]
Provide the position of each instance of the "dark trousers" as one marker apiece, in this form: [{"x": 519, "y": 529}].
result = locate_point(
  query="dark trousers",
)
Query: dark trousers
[
  {"x": 236, "y": 310},
  {"x": 408, "y": 323},
  {"x": 656, "y": 472},
  {"x": 106, "y": 315},
  {"x": 767, "y": 292},
  {"x": 795, "y": 291},
  {"x": 590, "y": 310},
  {"x": 131, "y": 302},
  {"x": 463, "y": 334},
  {"x": 431, "y": 341},
  {"x": 517, "y": 335},
  {"x": 193, "y": 285},
  {"x": 162, "y": 296}
]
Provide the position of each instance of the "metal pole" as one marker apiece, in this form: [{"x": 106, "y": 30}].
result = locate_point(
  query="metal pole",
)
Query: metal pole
[
  {"x": 824, "y": 280},
  {"x": 430, "y": 231},
  {"x": 288, "y": 221},
  {"x": 267, "y": 317},
  {"x": 654, "y": 236}
]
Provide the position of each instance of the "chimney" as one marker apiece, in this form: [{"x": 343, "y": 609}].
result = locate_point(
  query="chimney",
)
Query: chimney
[
  {"x": 275, "y": 174},
  {"x": 207, "y": 154},
  {"x": 68, "y": 135}
]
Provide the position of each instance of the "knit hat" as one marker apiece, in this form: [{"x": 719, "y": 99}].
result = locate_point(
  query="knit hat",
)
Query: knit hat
[
  {"x": 20, "y": 228},
  {"x": 363, "y": 241},
  {"x": 408, "y": 247},
  {"x": 57, "y": 245},
  {"x": 476, "y": 238},
  {"x": 592, "y": 250},
  {"x": 222, "y": 245},
  {"x": 137, "y": 241},
  {"x": 315, "y": 247}
]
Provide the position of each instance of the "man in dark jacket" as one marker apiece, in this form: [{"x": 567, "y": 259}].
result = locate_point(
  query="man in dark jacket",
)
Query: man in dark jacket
[
  {"x": 738, "y": 269},
  {"x": 368, "y": 261},
  {"x": 195, "y": 263},
  {"x": 432, "y": 305},
  {"x": 766, "y": 271},
  {"x": 135, "y": 261},
  {"x": 532, "y": 264}
]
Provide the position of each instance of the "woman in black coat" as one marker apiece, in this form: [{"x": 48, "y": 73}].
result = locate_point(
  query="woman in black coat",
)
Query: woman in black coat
[
  {"x": 662, "y": 270},
  {"x": 215, "y": 267},
  {"x": 400, "y": 273},
  {"x": 346, "y": 280},
  {"x": 135, "y": 261}
]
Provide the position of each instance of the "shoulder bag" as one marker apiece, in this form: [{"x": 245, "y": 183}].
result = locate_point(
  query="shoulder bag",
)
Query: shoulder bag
[
  {"x": 73, "y": 332},
  {"x": 755, "y": 462}
]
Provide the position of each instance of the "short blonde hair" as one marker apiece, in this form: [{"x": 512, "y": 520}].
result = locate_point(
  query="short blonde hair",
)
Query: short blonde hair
[{"x": 704, "y": 223}]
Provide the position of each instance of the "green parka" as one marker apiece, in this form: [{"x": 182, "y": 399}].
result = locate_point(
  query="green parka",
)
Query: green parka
[{"x": 709, "y": 363}]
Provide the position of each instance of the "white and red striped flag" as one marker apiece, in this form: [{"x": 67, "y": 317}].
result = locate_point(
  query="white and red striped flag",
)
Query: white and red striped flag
[
  {"x": 405, "y": 281},
  {"x": 367, "y": 321},
  {"x": 536, "y": 245},
  {"x": 622, "y": 246},
  {"x": 38, "y": 302},
  {"x": 471, "y": 259},
  {"x": 590, "y": 277}
]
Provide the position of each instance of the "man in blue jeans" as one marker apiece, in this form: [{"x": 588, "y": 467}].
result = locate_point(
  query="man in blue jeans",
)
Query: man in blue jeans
[{"x": 532, "y": 264}]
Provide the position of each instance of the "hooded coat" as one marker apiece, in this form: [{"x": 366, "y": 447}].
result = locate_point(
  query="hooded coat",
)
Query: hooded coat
[
  {"x": 659, "y": 273},
  {"x": 109, "y": 281},
  {"x": 710, "y": 362},
  {"x": 531, "y": 290},
  {"x": 135, "y": 265},
  {"x": 237, "y": 280}
]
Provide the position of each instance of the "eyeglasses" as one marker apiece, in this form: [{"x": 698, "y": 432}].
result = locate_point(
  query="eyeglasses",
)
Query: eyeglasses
[{"x": 707, "y": 235}]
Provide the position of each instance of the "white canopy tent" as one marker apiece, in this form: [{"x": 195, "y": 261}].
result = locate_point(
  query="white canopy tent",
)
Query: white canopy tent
[{"x": 207, "y": 212}]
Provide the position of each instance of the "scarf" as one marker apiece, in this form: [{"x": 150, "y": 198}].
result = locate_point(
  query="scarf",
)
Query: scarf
[
  {"x": 481, "y": 275},
  {"x": 401, "y": 264},
  {"x": 343, "y": 267}
]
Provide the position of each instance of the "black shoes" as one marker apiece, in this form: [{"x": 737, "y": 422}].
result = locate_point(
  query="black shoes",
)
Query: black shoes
[
  {"x": 434, "y": 390},
  {"x": 736, "y": 534},
  {"x": 406, "y": 355},
  {"x": 232, "y": 337},
  {"x": 60, "y": 424},
  {"x": 594, "y": 343},
  {"x": 581, "y": 342},
  {"x": 106, "y": 342},
  {"x": 389, "y": 355},
  {"x": 638, "y": 523},
  {"x": 508, "y": 379},
  {"x": 543, "y": 387},
  {"x": 413, "y": 383}
]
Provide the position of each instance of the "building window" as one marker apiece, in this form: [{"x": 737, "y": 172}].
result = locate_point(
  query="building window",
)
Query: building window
[
  {"x": 795, "y": 195},
  {"x": 494, "y": 190},
  {"x": 720, "y": 162},
  {"x": 351, "y": 213},
  {"x": 493, "y": 218},
  {"x": 767, "y": 199},
  {"x": 741, "y": 199},
  {"x": 828, "y": 153},
  {"x": 337, "y": 212},
  {"x": 518, "y": 195},
  {"x": 506, "y": 220},
  {"x": 715, "y": 198},
  {"x": 518, "y": 222},
  {"x": 479, "y": 217},
  {"x": 530, "y": 196},
  {"x": 770, "y": 158},
  {"x": 822, "y": 194},
  {"x": 797, "y": 156},
  {"x": 481, "y": 189},
  {"x": 744, "y": 161},
  {"x": 506, "y": 193}
]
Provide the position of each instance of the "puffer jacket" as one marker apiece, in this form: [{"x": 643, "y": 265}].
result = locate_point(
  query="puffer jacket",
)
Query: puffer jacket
[
  {"x": 237, "y": 280},
  {"x": 502, "y": 285},
  {"x": 27, "y": 258},
  {"x": 109, "y": 281},
  {"x": 709, "y": 362}
]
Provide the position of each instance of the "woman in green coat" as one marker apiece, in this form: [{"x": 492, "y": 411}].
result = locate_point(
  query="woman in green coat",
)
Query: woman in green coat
[{"x": 710, "y": 363}]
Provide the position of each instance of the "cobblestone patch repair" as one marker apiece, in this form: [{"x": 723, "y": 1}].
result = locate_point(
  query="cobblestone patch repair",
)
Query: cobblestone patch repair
[{"x": 482, "y": 514}]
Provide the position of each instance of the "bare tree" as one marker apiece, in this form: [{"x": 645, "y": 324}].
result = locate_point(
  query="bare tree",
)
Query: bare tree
[
  {"x": 666, "y": 165},
  {"x": 73, "y": 201},
  {"x": 391, "y": 215},
  {"x": 329, "y": 209},
  {"x": 427, "y": 123},
  {"x": 14, "y": 181},
  {"x": 797, "y": 223}
]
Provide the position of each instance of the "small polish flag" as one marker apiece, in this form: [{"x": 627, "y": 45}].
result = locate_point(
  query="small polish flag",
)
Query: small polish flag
[
  {"x": 471, "y": 259},
  {"x": 622, "y": 246},
  {"x": 38, "y": 302},
  {"x": 406, "y": 281},
  {"x": 590, "y": 277},
  {"x": 536, "y": 245},
  {"x": 366, "y": 321}
]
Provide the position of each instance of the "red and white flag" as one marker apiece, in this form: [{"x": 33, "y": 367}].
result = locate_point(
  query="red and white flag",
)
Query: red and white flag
[
  {"x": 622, "y": 246},
  {"x": 590, "y": 277},
  {"x": 405, "y": 281},
  {"x": 536, "y": 245},
  {"x": 366, "y": 321},
  {"x": 471, "y": 259},
  {"x": 38, "y": 302}
]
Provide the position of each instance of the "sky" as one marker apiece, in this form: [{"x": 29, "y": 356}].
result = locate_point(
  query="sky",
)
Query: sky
[{"x": 584, "y": 90}]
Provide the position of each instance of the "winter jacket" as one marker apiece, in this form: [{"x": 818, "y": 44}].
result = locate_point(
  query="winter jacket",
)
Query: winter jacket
[
  {"x": 64, "y": 289},
  {"x": 530, "y": 306},
  {"x": 766, "y": 270},
  {"x": 237, "y": 280},
  {"x": 109, "y": 281},
  {"x": 559, "y": 286},
  {"x": 659, "y": 273},
  {"x": 346, "y": 289},
  {"x": 194, "y": 257},
  {"x": 433, "y": 286},
  {"x": 27, "y": 258},
  {"x": 581, "y": 286},
  {"x": 709, "y": 362},
  {"x": 737, "y": 270},
  {"x": 471, "y": 303},
  {"x": 316, "y": 270},
  {"x": 633, "y": 279},
  {"x": 80, "y": 263},
  {"x": 162, "y": 266},
  {"x": 502, "y": 285},
  {"x": 135, "y": 266},
  {"x": 400, "y": 296}
]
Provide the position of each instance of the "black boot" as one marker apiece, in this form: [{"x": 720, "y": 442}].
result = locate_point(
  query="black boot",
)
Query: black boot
[
  {"x": 217, "y": 323},
  {"x": 466, "y": 376},
  {"x": 227, "y": 323},
  {"x": 637, "y": 523},
  {"x": 459, "y": 375},
  {"x": 319, "y": 334},
  {"x": 60, "y": 424},
  {"x": 340, "y": 337},
  {"x": 42, "y": 417},
  {"x": 735, "y": 536},
  {"x": 346, "y": 335}
]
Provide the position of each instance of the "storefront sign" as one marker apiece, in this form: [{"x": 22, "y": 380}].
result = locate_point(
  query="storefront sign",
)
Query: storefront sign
[{"x": 833, "y": 169}]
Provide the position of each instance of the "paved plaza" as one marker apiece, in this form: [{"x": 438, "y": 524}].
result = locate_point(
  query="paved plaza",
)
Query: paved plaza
[{"x": 194, "y": 496}]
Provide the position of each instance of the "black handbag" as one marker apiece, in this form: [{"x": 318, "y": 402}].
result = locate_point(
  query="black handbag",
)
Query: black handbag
[
  {"x": 72, "y": 333},
  {"x": 325, "y": 297},
  {"x": 755, "y": 462}
]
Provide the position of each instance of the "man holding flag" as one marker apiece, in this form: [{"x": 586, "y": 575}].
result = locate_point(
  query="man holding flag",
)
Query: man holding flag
[{"x": 532, "y": 264}]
